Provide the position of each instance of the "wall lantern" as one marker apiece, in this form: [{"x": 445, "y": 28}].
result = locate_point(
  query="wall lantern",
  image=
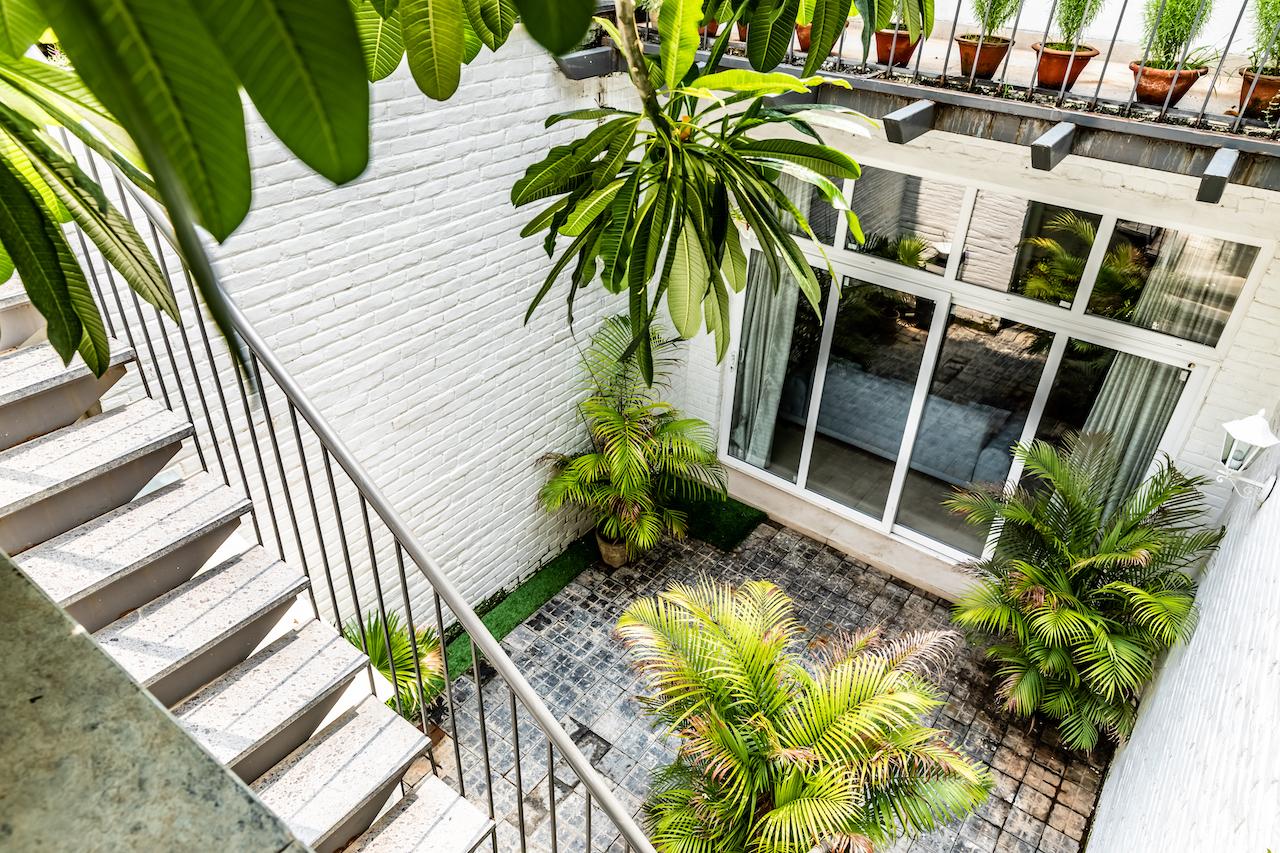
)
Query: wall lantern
[{"x": 1245, "y": 441}]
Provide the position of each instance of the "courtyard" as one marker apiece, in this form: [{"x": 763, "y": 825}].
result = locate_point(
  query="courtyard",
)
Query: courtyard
[{"x": 1044, "y": 794}]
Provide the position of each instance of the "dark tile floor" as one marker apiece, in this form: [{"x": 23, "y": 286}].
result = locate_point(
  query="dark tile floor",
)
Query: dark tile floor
[{"x": 1043, "y": 798}]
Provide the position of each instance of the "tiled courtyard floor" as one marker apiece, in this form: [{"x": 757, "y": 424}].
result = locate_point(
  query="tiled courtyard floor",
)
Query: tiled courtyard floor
[{"x": 1044, "y": 795}]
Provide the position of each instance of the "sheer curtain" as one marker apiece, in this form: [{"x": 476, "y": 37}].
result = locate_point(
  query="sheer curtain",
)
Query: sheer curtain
[{"x": 764, "y": 346}]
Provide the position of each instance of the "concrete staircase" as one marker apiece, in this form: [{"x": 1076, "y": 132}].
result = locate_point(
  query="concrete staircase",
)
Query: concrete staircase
[{"x": 214, "y": 629}]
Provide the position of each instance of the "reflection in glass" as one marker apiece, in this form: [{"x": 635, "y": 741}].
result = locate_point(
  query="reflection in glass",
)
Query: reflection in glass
[
  {"x": 817, "y": 211},
  {"x": 876, "y": 347},
  {"x": 1126, "y": 396},
  {"x": 979, "y": 399},
  {"x": 906, "y": 219},
  {"x": 778, "y": 353},
  {"x": 1033, "y": 249},
  {"x": 1172, "y": 282}
]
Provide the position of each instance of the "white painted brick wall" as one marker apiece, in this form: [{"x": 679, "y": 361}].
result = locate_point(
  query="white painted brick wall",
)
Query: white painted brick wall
[{"x": 397, "y": 302}]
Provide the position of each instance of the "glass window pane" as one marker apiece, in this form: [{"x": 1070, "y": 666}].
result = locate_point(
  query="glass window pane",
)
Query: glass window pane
[
  {"x": 809, "y": 200},
  {"x": 979, "y": 399},
  {"x": 906, "y": 219},
  {"x": 1172, "y": 282},
  {"x": 876, "y": 348},
  {"x": 777, "y": 357},
  {"x": 1033, "y": 249},
  {"x": 1130, "y": 398}
]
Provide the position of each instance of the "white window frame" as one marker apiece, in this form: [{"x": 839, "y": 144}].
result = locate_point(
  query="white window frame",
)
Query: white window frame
[{"x": 948, "y": 292}]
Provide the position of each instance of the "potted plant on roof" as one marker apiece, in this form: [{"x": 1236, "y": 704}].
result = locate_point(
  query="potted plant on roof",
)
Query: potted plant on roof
[
  {"x": 1062, "y": 61},
  {"x": 982, "y": 52},
  {"x": 1260, "y": 90},
  {"x": 644, "y": 453},
  {"x": 1172, "y": 67},
  {"x": 900, "y": 24},
  {"x": 804, "y": 23}
]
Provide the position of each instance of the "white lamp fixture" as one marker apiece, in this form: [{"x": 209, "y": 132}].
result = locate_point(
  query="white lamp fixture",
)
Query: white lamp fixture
[{"x": 1245, "y": 441}]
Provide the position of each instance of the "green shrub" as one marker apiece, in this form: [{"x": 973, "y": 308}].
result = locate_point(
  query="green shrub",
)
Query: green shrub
[
  {"x": 1081, "y": 599},
  {"x": 784, "y": 755},
  {"x": 1171, "y": 32},
  {"x": 1266, "y": 23},
  {"x": 1073, "y": 17},
  {"x": 994, "y": 14},
  {"x": 371, "y": 637}
]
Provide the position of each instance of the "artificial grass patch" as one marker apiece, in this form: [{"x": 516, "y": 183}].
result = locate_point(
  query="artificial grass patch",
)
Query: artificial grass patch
[
  {"x": 506, "y": 612},
  {"x": 722, "y": 523}
]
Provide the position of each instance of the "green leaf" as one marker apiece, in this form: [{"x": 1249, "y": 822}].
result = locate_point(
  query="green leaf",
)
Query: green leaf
[
  {"x": 300, "y": 61},
  {"x": 550, "y": 175},
  {"x": 735, "y": 259},
  {"x": 585, "y": 114},
  {"x": 589, "y": 208},
  {"x": 471, "y": 44},
  {"x": 678, "y": 23},
  {"x": 870, "y": 12},
  {"x": 110, "y": 231},
  {"x": 154, "y": 66},
  {"x": 557, "y": 25},
  {"x": 6, "y": 266},
  {"x": 687, "y": 281},
  {"x": 820, "y": 158},
  {"x": 770, "y": 33},
  {"x": 385, "y": 8},
  {"x": 480, "y": 26},
  {"x": 748, "y": 81},
  {"x": 380, "y": 38},
  {"x": 830, "y": 17},
  {"x": 434, "y": 41},
  {"x": 39, "y": 252},
  {"x": 21, "y": 23},
  {"x": 499, "y": 17}
]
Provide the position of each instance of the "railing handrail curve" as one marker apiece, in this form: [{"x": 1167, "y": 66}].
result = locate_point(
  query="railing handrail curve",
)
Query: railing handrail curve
[{"x": 407, "y": 539}]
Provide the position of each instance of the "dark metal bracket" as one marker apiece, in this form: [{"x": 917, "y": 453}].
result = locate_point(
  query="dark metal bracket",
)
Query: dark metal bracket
[
  {"x": 1053, "y": 146},
  {"x": 1217, "y": 174},
  {"x": 916, "y": 119}
]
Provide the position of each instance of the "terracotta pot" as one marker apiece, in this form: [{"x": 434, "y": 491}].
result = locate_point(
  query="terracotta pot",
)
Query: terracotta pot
[
  {"x": 712, "y": 27},
  {"x": 803, "y": 34},
  {"x": 988, "y": 56},
  {"x": 1266, "y": 93},
  {"x": 895, "y": 43},
  {"x": 614, "y": 554},
  {"x": 742, "y": 32},
  {"x": 1056, "y": 65},
  {"x": 1154, "y": 83}
]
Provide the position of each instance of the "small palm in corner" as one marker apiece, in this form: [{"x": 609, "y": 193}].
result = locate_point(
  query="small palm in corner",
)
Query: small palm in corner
[
  {"x": 1086, "y": 588},
  {"x": 644, "y": 453},
  {"x": 784, "y": 755}
]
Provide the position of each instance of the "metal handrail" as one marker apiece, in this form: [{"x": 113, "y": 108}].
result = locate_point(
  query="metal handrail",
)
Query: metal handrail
[{"x": 597, "y": 791}]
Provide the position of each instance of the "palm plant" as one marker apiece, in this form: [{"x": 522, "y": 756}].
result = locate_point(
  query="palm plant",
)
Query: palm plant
[
  {"x": 1086, "y": 587},
  {"x": 644, "y": 453},
  {"x": 784, "y": 755},
  {"x": 1056, "y": 273},
  {"x": 401, "y": 659}
]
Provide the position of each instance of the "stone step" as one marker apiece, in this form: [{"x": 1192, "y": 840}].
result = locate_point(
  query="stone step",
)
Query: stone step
[
  {"x": 19, "y": 319},
  {"x": 432, "y": 819},
  {"x": 264, "y": 708},
  {"x": 54, "y": 483},
  {"x": 126, "y": 558},
  {"x": 332, "y": 787},
  {"x": 38, "y": 393},
  {"x": 195, "y": 633}
]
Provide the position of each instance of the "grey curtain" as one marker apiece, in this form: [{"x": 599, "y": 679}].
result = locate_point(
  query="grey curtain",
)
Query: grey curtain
[
  {"x": 764, "y": 345},
  {"x": 1193, "y": 286}
]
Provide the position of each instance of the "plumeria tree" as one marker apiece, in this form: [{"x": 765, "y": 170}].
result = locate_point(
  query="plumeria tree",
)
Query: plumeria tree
[{"x": 648, "y": 200}]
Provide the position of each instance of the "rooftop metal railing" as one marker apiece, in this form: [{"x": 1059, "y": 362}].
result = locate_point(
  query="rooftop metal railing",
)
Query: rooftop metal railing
[
  {"x": 315, "y": 505},
  {"x": 1224, "y": 95}
]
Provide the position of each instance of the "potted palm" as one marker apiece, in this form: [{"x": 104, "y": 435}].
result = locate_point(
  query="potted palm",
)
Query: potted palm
[
  {"x": 1260, "y": 90},
  {"x": 900, "y": 24},
  {"x": 783, "y": 754},
  {"x": 644, "y": 453},
  {"x": 406, "y": 661},
  {"x": 1089, "y": 584},
  {"x": 1060, "y": 62},
  {"x": 1171, "y": 67},
  {"x": 982, "y": 52}
]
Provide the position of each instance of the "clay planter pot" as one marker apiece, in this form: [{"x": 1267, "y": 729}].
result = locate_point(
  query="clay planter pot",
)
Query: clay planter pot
[
  {"x": 987, "y": 58},
  {"x": 803, "y": 34},
  {"x": 712, "y": 27},
  {"x": 614, "y": 554},
  {"x": 742, "y": 32},
  {"x": 1266, "y": 93},
  {"x": 1154, "y": 84},
  {"x": 895, "y": 43},
  {"x": 1056, "y": 65}
]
